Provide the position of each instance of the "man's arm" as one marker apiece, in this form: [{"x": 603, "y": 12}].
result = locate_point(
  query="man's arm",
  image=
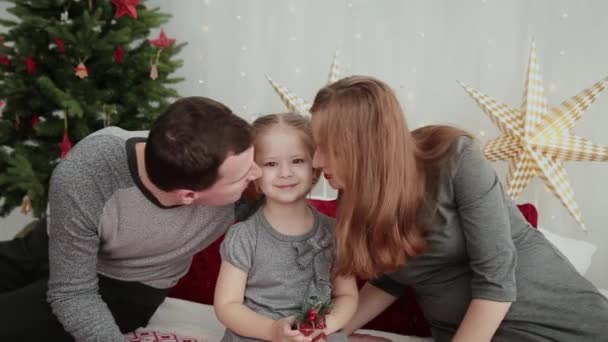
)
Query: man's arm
[{"x": 73, "y": 245}]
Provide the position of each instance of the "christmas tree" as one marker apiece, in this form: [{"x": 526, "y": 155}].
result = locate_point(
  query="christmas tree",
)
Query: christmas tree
[{"x": 67, "y": 69}]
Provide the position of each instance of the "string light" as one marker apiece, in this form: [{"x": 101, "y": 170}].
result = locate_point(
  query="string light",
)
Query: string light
[
  {"x": 552, "y": 87},
  {"x": 411, "y": 96}
]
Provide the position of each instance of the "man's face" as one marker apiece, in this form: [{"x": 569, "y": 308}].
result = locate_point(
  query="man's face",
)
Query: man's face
[{"x": 235, "y": 173}]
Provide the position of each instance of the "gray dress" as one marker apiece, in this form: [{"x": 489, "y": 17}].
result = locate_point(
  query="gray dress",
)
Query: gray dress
[
  {"x": 482, "y": 247},
  {"x": 281, "y": 270}
]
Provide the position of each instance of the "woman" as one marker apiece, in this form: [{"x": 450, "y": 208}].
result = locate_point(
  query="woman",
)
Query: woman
[{"x": 426, "y": 209}]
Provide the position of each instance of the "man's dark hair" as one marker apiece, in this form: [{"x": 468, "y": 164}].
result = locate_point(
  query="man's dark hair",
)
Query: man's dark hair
[{"x": 190, "y": 140}]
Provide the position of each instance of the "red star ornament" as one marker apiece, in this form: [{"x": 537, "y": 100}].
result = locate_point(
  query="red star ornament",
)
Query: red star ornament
[
  {"x": 128, "y": 7},
  {"x": 162, "y": 42}
]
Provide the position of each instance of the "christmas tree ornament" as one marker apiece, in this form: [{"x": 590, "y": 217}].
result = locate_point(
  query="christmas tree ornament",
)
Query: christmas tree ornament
[
  {"x": 128, "y": 7},
  {"x": 30, "y": 64},
  {"x": 536, "y": 140},
  {"x": 162, "y": 42},
  {"x": 26, "y": 205},
  {"x": 153, "y": 71},
  {"x": 310, "y": 320},
  {"x": 81, "y": 71},
  {"x": 118, "y": 55},
  {"x": 66, "y": 145},
  {"x": 4, "y": 60},
  {"x": 60, "y": 45},
  {"x": 34, "y": 120},
  {"x": 65, "y": 17},
  {"x": 295, "y": 103},
  {"x": 154, "y": 66}
]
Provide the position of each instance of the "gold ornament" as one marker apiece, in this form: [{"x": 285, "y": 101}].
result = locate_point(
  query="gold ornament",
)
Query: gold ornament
[
  {"x": 153, "y": 72},
  {"x": 537, "y": 140},
  {"x": 26, "y": 205},
  {"x": 292, "y": 101}
]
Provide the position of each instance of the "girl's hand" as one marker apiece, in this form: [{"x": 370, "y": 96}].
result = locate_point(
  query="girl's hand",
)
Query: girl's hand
[
  {"x": 366, "y": 338},
  {"x": 282, "y": 331}
]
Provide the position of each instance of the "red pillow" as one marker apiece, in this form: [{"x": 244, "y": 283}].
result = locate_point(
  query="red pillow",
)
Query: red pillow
[{"x": 402, "y": 317}]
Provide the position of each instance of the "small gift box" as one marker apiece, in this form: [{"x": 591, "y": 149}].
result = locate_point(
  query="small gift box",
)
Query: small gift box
[{"x": 311, "y": 319}]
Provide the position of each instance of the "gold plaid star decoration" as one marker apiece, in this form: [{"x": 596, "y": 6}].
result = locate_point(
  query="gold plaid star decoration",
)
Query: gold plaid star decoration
[
  {"x": 293, "y": 102},
  {"x": 537, "y": 140}
]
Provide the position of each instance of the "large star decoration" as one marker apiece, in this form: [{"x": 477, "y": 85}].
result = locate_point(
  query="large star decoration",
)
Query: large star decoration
[
  {"x": 293, "y": 102},
  {"x": 537, "y": 140},
  {"x": 162, "y": 42},
  {"x": 128, "y": 7}
]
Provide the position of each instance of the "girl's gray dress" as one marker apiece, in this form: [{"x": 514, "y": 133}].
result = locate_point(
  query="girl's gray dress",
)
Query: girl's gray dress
[{"x": 282, "y": 271}]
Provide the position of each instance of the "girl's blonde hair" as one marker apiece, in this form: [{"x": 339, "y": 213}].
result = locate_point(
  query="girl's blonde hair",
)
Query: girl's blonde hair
[
  {"x": 384, "y": 170},
  {"x": 295, "y": 121}
]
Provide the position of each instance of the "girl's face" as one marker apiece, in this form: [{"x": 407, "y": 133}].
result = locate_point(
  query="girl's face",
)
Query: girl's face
[
  {"x": 322, "y": 161},
  {"x": 287, "y": 173}
]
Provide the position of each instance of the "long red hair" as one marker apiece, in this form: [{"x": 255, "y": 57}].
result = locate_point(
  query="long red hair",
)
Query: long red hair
[{"x": 384, "y": 169}]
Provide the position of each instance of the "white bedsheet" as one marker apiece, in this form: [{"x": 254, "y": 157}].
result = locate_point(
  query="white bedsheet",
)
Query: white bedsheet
[{"x": 198, "y": 321}]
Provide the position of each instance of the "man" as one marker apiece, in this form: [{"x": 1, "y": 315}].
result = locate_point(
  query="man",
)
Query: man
[{"x": 127, "y": 213}]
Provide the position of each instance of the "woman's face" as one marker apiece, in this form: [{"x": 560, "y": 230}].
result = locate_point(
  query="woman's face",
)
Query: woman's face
[{"x": 322, "y": 161}]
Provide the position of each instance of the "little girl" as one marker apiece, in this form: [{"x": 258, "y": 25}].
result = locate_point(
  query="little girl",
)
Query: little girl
[{"x": 283, "y": 254}]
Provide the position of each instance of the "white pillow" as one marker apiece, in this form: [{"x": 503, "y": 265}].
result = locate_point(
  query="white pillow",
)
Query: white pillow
[
  {"x": 198, "y": 321},
  {"x": 577, "y": 251}
]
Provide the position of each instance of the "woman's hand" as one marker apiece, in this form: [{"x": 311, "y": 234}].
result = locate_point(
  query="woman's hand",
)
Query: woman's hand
[{"x": 282, "y": 331}]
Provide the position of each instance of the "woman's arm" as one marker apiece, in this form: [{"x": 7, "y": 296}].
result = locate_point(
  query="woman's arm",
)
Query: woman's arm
[
  {"x": 230, "y": 310},
  {"x": 345, "y": 303},
  {"x": 372, "y": 301},
  {"x": 481, "y": 320},
  {"x": 484, "y": 213}
]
